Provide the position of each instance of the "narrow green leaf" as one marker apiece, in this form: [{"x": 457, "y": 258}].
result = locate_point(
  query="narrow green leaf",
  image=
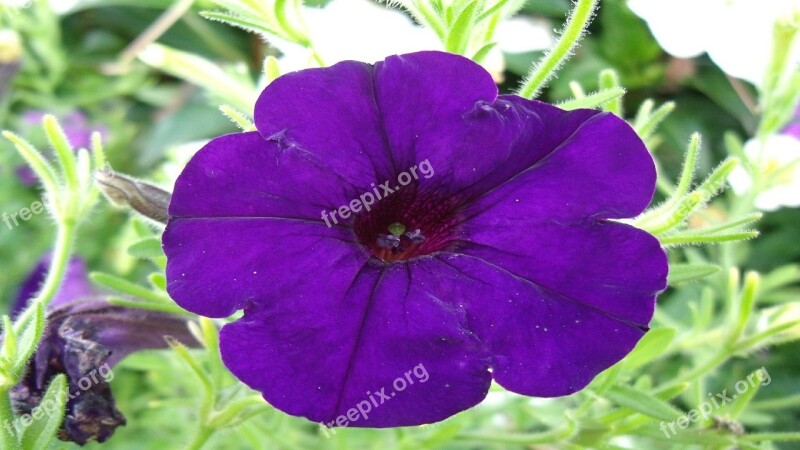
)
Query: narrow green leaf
[
  {"x": 429, "y": 15},
  {"x": 642, "y": 402},
  {"x": 644, "y": 112},
  {"x": 149, "y": 306},
  {"x": 745, "y": 304},
  {"x": 146, "y": 248},
  {"x": 650, "y": 347},
  {"x": 237, "y": 117},
  {"x": 50, "y": 412},
  {"x": 126, "y": 287},
  {"x": 781, "y": 277},
  {"x": 36, "y": 161},
  {"x": 202, "y": 72},
  {"x": 481, "y": 54},
  {"x": 245, "y": 23},
  {"x": 705, "y": 239},
  {"x": 201, "y": 374},
  {"x": 98, "y": 151},
  {"x": 577, "y": 90},
  {"x": 492, "y": 10},
  {"x": 271, "y": 69},
  {"x": 649, "y": 124},
  {"x": 158, "y": 281},
  {"x": 64, "y": 152},
  {"x": 593, "y": 100},
  {"x": 28, "y": 336},
  {"x": 9, "y": 339},
  {"x": 458, "y": 37},
  {"x": 682, "y": 273},
  {"x": 281, "y": 14},
  {"x": 609, "y": 79}
]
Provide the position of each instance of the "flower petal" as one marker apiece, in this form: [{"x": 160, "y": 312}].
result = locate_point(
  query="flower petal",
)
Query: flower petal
[
  {"x": 256, "y": 260},
  {"x": 329, "y": 115},
  {"x": 420, "y": 92},
  {"x": 601, "y": 170},
  {"x": 542, "y": 343},
  {"x": 322, "y": 354},
  {"x": 609, "y": 266},
  {"x": 242, "y": 175}
]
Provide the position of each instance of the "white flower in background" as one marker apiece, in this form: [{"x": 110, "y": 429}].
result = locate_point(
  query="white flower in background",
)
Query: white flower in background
[
  {"x": 736, "y": 34},
  {"x": 778, "y": 159},
  {"x": 358, "y": 30},
  {"x": 363, "y": 30},
  {"x": 776, "y": 316}
]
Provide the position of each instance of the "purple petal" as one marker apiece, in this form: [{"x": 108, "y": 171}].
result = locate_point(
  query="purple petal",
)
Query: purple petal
[
  {"x": 259, "y": 260},
  {"x": 321, "y": 354},
  {"x": 242, "y": 175},
  {"x": 350, "y": 115},
  {"x": 422, "y": 94},
  {"x": 330, "y": 116},
  {"x": 609, "y": 266},
  {"x": 542, "y": 343},
  {"x": 599, "y": 170}
]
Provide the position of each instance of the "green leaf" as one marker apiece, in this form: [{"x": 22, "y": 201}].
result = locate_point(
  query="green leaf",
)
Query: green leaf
[
  {"x": 202, "y": 72},
  {"x": 125, "y": 286},
  {"x": 246, "y": 23},
  {"x": 593, "y": 100},
  {"x": 66, "y": 156},
  {"x": 646, "y": 126},
  {"x": 642, "y": 402},
  {"x": 28, "y": 336},
  {"x": 158, "y": 281},
  {"x": 483, "y": 52},
  {"x": 9, "y": 339},
  {"x": 146, "y": 248},
  {"x": 682, "y": 273},
  {"x": 458, "y": 38},
  {"x": 609, "y": 79},
  {"x": 690, "y": 238},
  {"x": 51, "y": 409},
  {"x": 650, "y": 347},
  {"x": 237, "y": 117}
]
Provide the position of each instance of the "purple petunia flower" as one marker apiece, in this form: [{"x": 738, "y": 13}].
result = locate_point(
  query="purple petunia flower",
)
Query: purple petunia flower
[
  {"x": 84, "y": 337},
  {"x": 512, "y": 271}
]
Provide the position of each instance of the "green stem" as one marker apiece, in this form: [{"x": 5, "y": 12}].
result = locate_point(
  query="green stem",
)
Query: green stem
[
  {"x": 561, "y": 51},
  {"x": 200, "y": 439},
  {"x": 58, "y": 267},
  {"x": 7, "y": 439}
]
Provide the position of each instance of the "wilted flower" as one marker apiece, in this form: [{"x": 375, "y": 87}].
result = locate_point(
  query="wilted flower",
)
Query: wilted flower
[
  {"x": 85, "y": 336},
  {"x": 520, "y": 277},
  {"x": 736, "y": 34}
]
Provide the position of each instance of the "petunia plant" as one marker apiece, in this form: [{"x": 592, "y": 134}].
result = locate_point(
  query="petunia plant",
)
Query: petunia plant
[{"x": 398, "y": 244}]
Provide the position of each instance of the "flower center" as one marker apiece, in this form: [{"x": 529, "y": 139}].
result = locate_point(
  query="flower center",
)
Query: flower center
[{"x": 407, "y": 225}]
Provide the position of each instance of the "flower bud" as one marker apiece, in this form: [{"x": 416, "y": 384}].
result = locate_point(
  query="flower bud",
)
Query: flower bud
[{"x": 146, "y": 199}]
